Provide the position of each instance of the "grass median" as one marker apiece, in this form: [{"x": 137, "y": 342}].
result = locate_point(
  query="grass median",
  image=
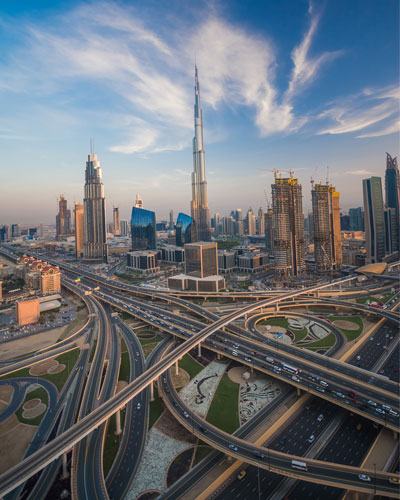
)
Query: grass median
[
  {"x": 224, "y": 411},
  {"x": 190, "y": 365}
]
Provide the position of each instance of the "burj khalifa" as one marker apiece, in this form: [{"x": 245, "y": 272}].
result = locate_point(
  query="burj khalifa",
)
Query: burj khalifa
[{"x": 199, "y": 205}]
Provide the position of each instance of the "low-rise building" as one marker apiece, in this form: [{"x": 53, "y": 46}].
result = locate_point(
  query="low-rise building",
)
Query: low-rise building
[
  {"x": 39, "y": 275},
  {"x": 184, "y": 282},
  {"x": 27, "y": 311},
  {"x": 144, "y": 261},
  {"x": 171, "y": 254}
]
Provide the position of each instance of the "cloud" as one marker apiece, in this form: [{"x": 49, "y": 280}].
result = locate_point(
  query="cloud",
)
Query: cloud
[
  {"x": 142, "y": 141},
  {"x": 359, "y": 172},
  {"x": 377, "y": 108},
  {"x": 306, "y": 68}
]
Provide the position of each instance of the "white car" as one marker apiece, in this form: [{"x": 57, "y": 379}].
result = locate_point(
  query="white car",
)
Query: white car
[{"x": 363, "y": 477}]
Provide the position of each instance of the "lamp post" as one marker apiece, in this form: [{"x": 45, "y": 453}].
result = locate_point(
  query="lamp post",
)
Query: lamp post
[{"x": 375, "y": 478}]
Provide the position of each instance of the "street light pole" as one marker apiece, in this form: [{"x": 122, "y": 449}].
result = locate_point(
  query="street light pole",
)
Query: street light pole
[{"x": 375, "y": 478}]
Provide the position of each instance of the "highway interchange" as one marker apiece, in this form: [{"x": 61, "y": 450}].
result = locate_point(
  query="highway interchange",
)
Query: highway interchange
[{"x": 98, "y": 402}]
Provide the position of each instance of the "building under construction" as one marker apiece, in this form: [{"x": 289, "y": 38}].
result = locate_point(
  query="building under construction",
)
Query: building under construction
[
  {"x": 327, "y": 235},
  {"x": 288, "y": 226}
]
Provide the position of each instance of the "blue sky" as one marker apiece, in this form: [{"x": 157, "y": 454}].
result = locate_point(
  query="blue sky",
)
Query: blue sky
[{"x": 287, "y": 85}]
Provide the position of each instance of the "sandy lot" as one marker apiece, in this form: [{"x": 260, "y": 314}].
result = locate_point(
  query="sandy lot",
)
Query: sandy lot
[
  {"x": 19, "y": 347},
  {"x": 43, "y": 367},
  {"x": 14, "y": 437},
  {"x": 347, "y": 325},
  {"x": 31, "y": 403},
  {"x": 181, "y": 379},
  {"x": 34, "y": 412},
  {"x": 6, "y": 393}
]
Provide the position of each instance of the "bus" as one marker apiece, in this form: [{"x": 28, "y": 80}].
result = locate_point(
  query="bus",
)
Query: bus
[
  {"x": 290, "y": 369},
  {"x": 299, "y": 465}
]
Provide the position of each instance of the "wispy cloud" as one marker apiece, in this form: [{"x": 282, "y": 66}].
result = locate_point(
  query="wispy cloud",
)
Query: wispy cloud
[
  {"x": 359, "y": 172},
  {"x": 376, "y": 108}
]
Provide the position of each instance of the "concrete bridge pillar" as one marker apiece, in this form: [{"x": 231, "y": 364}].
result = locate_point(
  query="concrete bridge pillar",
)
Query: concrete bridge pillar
[
  {"x": 298, "y": 391},
  {"x": 176, "y": 367},
  {"x": 218, "y": 355},
  {"x": 199, "y": 349},
  {"x": 396, "y": 435},
  {"x": 245, "y": 317},
  {"x": 276, "y": 307},
  {"x": 152, "y": 391},
  {"x": 118, "y": 429},
  {"x": 65, "y": 473}
]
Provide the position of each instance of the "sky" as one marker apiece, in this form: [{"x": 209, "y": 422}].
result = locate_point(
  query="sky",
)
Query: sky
[{"x": 294, "y": 84}]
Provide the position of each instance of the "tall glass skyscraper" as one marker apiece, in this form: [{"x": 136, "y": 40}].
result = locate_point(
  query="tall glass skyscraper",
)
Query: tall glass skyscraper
[
  {"x": 95, "y": 248},
  {"x": 392, "y": 184},
  {"x": 185, "y": 230},
  {"x": 199, "y": 205},
  {"x": 143, "y": 229},
  {"x": 374, "y": 219}
]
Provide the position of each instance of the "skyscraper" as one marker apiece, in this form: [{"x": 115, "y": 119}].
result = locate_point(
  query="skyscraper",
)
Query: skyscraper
[
  {"x": 269, "y": 230},
  {"x": 374, "y": 220},
  {"x": 94, "y": 203},
  {"x": 356, "y": 219},
  {"x": 63, "y": 219},
  {"x": 251, "y": 222},
  {"x": 327, "y": 235},
  {"x": 79, "y": 229},
  {"x": 261, "y": 223},
  {"x": 288, "y": 223},
  {"x": 201, "y": 259},
  {"x": 199, "y": 205},
  {"x": 116, "y": 228},
  {"x": 185, "y": 230},
  {"x": 392, "y": 185},
  {"x": 171, "y": 220},
  {"x": 143, "y": 229}
]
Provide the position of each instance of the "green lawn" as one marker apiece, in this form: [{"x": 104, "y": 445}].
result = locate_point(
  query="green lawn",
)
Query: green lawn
[
  {"x": 125, "y": 367},
  {"x": 190, "y": 365},
  {"x": 111, "y": 443},
  {"x": 299, "y": 334},
  {"x": 156, "y": 408},
  {"x": 350, "y": 334},
  {"x": 283, "y": 322},
  {"x": 224, "y": 411},
  {"x": 324, "y": 343},
  {"x": 154, "y": 340},
  {"x": 201, "y": 452},
  {"x": 40, "y": 393},
  {"x": 68, "y": 359}
]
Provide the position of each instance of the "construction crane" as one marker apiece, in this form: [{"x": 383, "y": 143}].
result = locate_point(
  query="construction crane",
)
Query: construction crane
[{"x": 277, "y": 172}]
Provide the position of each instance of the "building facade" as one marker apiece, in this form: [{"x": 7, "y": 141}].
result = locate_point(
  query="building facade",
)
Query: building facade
[
  {"x": 185, "y": 230},
  {"x": 143, "y": 229},
  {"x": 142, "y": 261},
  {"x": 27, "y": 311},
  {"x": 269, "y": 230},
  {"x": 95, "y": 248},
  {"x": 392, "y": 185},
  {"x": 199, "y": 206},
  {"x": 63, "y": 219},
  {"x": 327, "y": 234},
  {"x": 374, "y": 219},
  {"x": 116, "y": 224},
  {"x": 288, "y": 223},
  {"x": 356, "y": 216},
  {"x": 201, "y": 259},
  {"x": 79, "y": 223}
]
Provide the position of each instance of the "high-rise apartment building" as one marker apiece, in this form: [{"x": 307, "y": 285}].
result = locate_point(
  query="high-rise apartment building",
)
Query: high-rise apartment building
[
  {"x": 356, "y": 216},
  {"x": 124, "y": 228},
  {"x": 95, "y": 248},
  {"x": 251, "y": 222},
  {"x": 201, "y": 259},
  {"x": 171, "y": 220},
  {"x": 185, "y": 230},
  {"x": 79, "y": 223},
  {"x": 116, "y": 227},
  {"x": 288, "y": 223},
  {"x": 269, "y": 230},
  {"x": 15, "y": 230},
  {"x": 5, "y": 233},
  {"x": 63, "y": 219},
  {"x": 199, "y": 205},
  {"x": 143, "y": 229},
  {"x": 374, "y": 219},
  {"x": 327, "y": 235},
  {"x": 391, "y": 231},
  {"x": 261, "y": 221}
]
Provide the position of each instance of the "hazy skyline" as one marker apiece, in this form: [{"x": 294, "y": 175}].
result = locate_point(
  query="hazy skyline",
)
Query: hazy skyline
[{"x": 288, "y": 85}]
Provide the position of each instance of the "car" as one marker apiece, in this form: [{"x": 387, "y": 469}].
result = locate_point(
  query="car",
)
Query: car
[
  {"x": 393, "y": 413},
  {"x": 204, "y": 430},
  {"x": 296, "y": 379},
  {"x": 363, "y": 477},
  {"x": 282, "y": 441},
  {"x": 379, "y": 410},
  {"x": 186, "y": 414},
  {"x": 320, "y": 417},
  {"x": 269, "y": 360},
  {"x": 320, "y": 389},
  {"x": 235, "y": 346},
  {"x": 358, "y": 358},
  {"x": 393, "y": 480},
  {"x": 234, "y": 353},
  {"x": 233, "y": 447},
  {"x": 241, "y": 474},
  {"x": 258, "y": 454},
  {"x": 248, "y": 360},
  {"x": 339, "y": 395},
  {"x": 311, "y": 438},
  {"x": 386, "y": 407},
  {"x": 322, "y": 382},
  {"x": 277, "y": 369},
  {"x": 174, "y": 403},
  {"x": 138, "y": 406},
  {"x": 372, "y": 403}
]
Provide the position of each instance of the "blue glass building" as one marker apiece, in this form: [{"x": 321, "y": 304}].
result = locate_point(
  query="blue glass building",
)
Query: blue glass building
[
  {"x": 143, "y": 229},
  {"x": 185, "y": 230}
]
